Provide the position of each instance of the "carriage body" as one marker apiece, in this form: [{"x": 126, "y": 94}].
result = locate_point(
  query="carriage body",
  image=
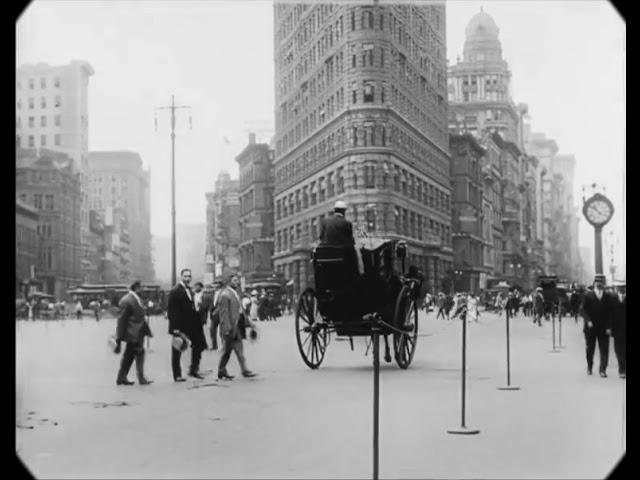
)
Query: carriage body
[
  {"x": 384, "y": 298},
  {"x": 550, "y": 293}
]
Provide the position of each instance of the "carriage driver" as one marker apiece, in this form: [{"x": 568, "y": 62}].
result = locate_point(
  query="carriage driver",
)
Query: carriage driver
[{"x": 337, "y": 230}]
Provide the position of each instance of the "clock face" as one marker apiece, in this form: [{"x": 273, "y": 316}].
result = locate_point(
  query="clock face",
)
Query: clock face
[{"x": 598, "y": 212}]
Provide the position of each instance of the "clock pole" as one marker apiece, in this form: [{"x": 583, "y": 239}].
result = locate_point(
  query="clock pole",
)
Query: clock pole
[{"x": 598, "y": 248}]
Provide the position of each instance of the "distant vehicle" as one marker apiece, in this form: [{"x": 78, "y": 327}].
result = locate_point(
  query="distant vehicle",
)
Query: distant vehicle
[{"x": 87, "y": 293}]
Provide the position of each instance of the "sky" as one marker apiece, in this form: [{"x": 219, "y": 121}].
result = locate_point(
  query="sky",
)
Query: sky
[{"x": 567, "y": 59}]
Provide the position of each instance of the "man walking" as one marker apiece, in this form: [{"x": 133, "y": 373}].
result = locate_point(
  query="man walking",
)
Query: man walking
[
  {"x": 132, "y": 328},
  {"x": 214, "y": 317},
  {"x": 597, "y": 310},
  {"x": 183, "y": 319},
  {"x": 230, "y": 311},
  {"x": 619, "y": 329}
]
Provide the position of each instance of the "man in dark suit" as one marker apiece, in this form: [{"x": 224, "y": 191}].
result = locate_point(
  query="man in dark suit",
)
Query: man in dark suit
[
  {"x": 619, "y": 329},
  {"x": 230, "y": 311},
  {"x": 184, "y": 319},
  {"x": 131, "y": 328},
  {"x": 337, "y": 230},
  {"x": 597, "y": 311}
]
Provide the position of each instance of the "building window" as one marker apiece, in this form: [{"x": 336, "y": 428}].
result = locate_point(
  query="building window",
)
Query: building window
[
  {"x": 56, "y": 140},
  {"x": 48, "y": 202},
  {"x": 32, "y": 142},
  {"x": 18, "y": 141},
  {"x": 43, "y": 102},
  {"x": 43, "y": 121},
  {"x": 370, "y": 218},
  {"x": 43, "y": 82},
  {"x": 31, "y": 103},
  {"x": 368, "y": 92},
  {"x": 43, "y": 140},
  {"x": 56, "y": 82},
  {"x": 31, "y": 84},
  {"x": 50, "y": 258},
  {"x": 19, "y": 104},
  {"x": 353, "y": 21},
  {"x": 37, "y": 201},
  {"x": 57, "y": 120},
  {"x": 369, "y": 176},
  {"x": 58, "y": 102},
  {"x": 32, "y": 121}
]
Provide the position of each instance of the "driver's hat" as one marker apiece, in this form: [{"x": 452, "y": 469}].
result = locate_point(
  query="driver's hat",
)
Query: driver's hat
[{"x": 340, "y": 206}]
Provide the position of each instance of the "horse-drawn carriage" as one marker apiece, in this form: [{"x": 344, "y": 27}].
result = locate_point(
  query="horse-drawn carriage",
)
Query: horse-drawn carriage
[
  {"x": 384, "y": 299},
  {"x": 551, "y": 294}
]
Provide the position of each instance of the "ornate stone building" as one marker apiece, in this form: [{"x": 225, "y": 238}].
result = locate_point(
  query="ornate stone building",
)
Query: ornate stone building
[
  {"x": 479, "y": 90},
  {"x": 361, "y": 116},
  {"x": 256, "y": 210}
]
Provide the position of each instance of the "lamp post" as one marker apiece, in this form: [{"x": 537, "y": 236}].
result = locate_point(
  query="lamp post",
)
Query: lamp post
[{"x": 173, "y": 107}]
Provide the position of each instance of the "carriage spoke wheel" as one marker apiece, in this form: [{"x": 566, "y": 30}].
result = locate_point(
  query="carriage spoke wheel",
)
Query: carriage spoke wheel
[
  {"x": 312, "y": 338},
  {"x": 406, "y": 313}
]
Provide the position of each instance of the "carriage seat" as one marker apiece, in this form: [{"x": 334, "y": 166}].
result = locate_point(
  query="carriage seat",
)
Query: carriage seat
[{"x": 335, "y": 267}]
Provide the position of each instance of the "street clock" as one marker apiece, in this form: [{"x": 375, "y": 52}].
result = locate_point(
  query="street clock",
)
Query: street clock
[{"x": 598, "y": 210}]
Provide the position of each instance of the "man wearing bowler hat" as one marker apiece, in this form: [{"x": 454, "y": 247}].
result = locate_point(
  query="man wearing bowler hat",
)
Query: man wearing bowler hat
[{"x": 597, "y": 311}]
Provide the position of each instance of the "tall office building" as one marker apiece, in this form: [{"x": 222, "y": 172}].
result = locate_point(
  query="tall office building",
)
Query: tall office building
[
  {"x": 361, "y": 116},
  {"x": 118, "y": 181},
  {"x": 52, "y": 111}
]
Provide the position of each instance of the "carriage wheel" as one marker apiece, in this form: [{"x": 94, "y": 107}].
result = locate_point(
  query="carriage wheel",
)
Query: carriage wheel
[
  {"x": 312, "y": 340},
  {"x": 406, "y": 313}
]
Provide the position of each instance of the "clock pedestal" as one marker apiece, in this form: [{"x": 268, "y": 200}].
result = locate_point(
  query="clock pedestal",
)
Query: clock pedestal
[{"x": 598, "y": 248}]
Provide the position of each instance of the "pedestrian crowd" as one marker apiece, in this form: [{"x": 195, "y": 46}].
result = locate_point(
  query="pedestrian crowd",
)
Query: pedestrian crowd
[{"x": 228, "y": 312}]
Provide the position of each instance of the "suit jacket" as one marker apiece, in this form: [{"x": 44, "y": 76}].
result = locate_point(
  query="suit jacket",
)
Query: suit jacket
[
  {"x": 599, "y": 312},
  {"x": 619, "y": 325},
  {"x": 336, "y": 230},
  {"x": 131, "y": 326},
  {"x": 183, "y": 316},
  {"x": 229, "y": 312}
]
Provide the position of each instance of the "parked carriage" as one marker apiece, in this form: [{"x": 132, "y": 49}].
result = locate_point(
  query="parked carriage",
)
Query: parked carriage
[
  {"x": 385, "y": 299},
  {"x": 551, "y": 294}
]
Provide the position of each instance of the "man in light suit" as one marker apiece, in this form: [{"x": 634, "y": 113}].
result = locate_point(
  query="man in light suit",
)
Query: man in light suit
[
  {"x": 132, "y": 329},
  {"x": 230, "y": 311},
  {"x": 184, "y": 319}
]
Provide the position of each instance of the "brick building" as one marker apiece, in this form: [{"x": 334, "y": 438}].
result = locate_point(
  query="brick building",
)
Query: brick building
[
  {"x": 466, "y": 187},
  {"x": 48, "y": 181},
  {"x": 223, "y": 228},
  {"x": 255, "y": 163},
  {"x": 361, "y": 116},
  {"x": 26, "y": 247}
]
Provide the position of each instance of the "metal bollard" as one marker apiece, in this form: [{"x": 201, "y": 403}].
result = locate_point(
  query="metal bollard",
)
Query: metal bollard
[
  {"x": 463, "y": 429},
  {"x": 508, "y": 386},
  {"x": 376, "y": 398}
]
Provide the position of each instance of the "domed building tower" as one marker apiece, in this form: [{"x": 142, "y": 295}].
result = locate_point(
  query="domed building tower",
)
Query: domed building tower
[{"x": 478, "y": 86}]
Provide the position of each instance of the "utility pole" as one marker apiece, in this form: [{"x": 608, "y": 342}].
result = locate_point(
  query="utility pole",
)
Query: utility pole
[{"x": 173, "y": 107}]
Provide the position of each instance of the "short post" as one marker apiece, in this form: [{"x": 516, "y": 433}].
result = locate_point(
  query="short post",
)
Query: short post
[
  {"x": 463, "y": 429},
  {"x": 376, "y": 397},
  {"x": 508, "y": 386},
  {"x": 553, "y": 334},
  {"x": 560, "y": 332}
]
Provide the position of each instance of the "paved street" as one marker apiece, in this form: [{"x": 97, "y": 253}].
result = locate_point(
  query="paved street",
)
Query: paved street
[{"x": 292, "y": 422}]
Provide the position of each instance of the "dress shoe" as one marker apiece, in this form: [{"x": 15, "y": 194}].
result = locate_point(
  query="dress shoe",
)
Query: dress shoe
[
  {"x": 144, "y": 381},
  {"x": 603, "y": 374},
  {"x": 249, "y": 374},
  {"x": 123, "y": 382},
  {"x": 179, "y": 379},
  {"x": 589, "y": 371},
  {"x": 623, "y": 375},
  {"x": 196, "y": 375},
  {"x": 224, "y": 376}
]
